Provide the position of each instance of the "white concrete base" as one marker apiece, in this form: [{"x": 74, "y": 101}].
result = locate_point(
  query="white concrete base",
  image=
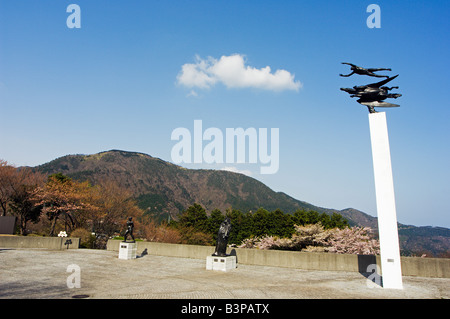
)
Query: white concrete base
[
  {"x": 127, "y": 250},
  {"x": 220, "y": 263},
  {"x": 386, "y": 211}
]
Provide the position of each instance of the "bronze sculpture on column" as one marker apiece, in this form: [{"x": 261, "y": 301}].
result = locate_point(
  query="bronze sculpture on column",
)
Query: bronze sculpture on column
[{"x": 372, "y": 95}]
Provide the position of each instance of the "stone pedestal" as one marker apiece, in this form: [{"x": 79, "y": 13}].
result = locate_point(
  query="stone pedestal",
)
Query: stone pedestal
[
  {"x": 220, "y": 263},
  {"x": 127, "y": 250}
]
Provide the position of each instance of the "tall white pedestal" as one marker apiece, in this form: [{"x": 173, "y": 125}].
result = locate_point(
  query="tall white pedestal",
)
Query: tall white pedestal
[
  {"x": 384, "y": 189},
  {"x": 127, "y": 250}
]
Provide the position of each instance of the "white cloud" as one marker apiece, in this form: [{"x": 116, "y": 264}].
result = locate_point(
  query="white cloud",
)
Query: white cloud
[
  {"x": 196, "y": 75},
  {"x": 192, "y": 93},
  {"x": 233, "y": 73}
]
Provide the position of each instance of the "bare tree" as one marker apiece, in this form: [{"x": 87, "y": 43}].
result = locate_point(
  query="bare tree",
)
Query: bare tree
[
  {"x": 63, "y": 197},
  {"x": 8, "y": 184},
  {"x": 22, "y": 203}
]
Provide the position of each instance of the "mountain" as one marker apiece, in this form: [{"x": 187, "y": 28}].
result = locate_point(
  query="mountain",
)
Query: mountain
[
  {"x": 166, "y": 189},
  {"x": 163, "y": 189}
]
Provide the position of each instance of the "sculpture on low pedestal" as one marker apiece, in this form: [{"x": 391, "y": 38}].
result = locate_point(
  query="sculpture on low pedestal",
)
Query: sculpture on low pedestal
[
  {"x": 222, "y": 238},
  {"x": 130, "y": 227}
]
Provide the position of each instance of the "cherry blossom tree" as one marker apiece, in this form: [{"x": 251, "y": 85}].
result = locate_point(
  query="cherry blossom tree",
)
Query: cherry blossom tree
[
  {"x": 314, "y": 238},
  {"x": 61, "y": 197}
]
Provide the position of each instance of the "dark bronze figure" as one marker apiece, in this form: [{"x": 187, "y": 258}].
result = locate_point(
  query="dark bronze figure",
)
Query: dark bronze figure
[
  {"x": 373, "y": 95},
  {"x": 222, "y": 238},
  {"x": 362, "y": 71},
  {"x": 130, "y": 227}
]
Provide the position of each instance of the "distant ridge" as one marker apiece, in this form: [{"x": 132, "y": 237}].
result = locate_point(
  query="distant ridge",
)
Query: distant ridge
[
  {"x": 164, "y": 189},
  {"x": 167, "y": 188}
]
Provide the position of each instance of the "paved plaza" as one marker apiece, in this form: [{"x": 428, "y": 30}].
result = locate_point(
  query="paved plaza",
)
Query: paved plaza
[{"x": 48, "y": 274}]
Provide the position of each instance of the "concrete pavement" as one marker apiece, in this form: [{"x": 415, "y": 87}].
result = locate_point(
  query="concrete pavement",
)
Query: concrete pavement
[{"x": 42, "y": 273}]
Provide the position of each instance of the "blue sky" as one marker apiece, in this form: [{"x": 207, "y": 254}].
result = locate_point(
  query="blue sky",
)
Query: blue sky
[{"x": 114, "y": 84}]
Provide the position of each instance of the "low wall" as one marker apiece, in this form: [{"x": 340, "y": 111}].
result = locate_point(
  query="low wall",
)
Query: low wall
[
  {"x": 38, "y": 242},
  {"x": 411, "y": 266}
]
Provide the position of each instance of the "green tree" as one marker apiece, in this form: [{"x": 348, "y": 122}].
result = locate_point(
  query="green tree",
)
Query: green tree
[
  {"x": 337, "y": 221},
  {"x": 302, "y": 218},
  {"x": 215, "y": 219},
  {"x": 280, "y": 224},
  {"x": 195, "y": 227},
  {"x": 313, "y": 217},
  {"x": 192, "y": 237},
  {"x": 195, "y": 217},
  {"x": 260, "y": 223},
  {"x": 324, "y": 219},
  {"x": 240, "y": 225}
]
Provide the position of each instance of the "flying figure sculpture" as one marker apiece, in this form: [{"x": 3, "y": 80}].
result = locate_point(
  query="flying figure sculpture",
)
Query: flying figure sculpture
[
  {"x": 373, "y": 95},
  {"x": 363, "y": 71}
]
